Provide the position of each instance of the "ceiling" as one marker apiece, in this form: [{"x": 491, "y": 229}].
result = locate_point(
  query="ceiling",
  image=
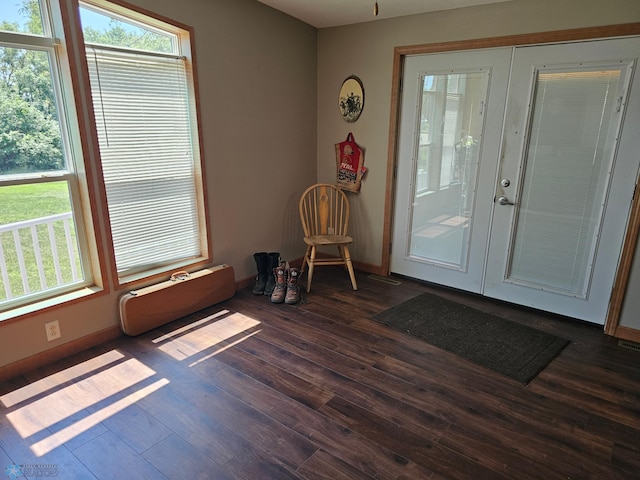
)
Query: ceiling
[{"x": 333, "y": 13}]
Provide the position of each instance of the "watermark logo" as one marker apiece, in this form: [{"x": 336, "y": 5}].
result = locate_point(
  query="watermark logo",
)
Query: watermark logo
[
  {"x": 13, "y": 471},
  {"x": 32, "y": 470}
]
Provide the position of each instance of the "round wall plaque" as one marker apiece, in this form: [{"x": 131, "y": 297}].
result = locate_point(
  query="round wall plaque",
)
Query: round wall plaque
[{"x": 351, "y": 99}]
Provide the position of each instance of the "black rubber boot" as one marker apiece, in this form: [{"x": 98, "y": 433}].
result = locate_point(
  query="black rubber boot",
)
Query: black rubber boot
[
  {"x": 264, "y": 272},
  {"x": 273, "y": 262}
]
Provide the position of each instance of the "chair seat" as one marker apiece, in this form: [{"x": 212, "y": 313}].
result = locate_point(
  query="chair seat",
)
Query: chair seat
[{"x": 328, "y": 240}]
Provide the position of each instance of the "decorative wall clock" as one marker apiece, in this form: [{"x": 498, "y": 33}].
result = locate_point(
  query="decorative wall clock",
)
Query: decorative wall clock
[{"x": 351, "y": 99}]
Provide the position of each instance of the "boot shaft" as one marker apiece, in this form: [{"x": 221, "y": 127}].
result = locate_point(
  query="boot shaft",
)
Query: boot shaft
[
  {"x": 293, "y": 290},
  {"x": 262, "y": 265},
  {"x": 280, "y": 289},
  {"x": 273, "y": 261}
]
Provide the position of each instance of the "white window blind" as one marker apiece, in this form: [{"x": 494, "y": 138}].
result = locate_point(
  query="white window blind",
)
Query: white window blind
[
  {"x": 573, "y": 131},
  {"x": 141, "y": 104}
]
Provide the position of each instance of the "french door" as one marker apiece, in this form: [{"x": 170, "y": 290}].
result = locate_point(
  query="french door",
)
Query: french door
[
  {"x": 450, "y": 127},
  {"x": 516, "y": 170}
]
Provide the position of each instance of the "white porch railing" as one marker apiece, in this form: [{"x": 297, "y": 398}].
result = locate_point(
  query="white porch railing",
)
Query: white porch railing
[{"x": 25, "y": 249}]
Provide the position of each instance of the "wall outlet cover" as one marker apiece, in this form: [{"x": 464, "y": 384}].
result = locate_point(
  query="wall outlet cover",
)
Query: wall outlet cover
[{"x": 53, "y": 330}]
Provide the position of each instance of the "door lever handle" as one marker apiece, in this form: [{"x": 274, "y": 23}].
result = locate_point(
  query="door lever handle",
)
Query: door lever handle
[{"x": 504, "y": 201}]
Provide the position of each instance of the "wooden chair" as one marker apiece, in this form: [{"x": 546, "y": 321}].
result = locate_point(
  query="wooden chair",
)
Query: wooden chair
[{"x": 324, "y": 212}]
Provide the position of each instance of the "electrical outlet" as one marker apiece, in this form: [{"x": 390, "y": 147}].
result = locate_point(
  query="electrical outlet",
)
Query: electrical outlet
[{"x": 53, "y": 330}]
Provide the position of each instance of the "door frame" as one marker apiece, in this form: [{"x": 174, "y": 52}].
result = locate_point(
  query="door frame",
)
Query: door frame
[{"x": 560, "y": 36}]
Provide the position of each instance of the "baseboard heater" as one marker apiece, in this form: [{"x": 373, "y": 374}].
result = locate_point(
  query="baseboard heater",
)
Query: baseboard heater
[{"x": 185, "y": 293}]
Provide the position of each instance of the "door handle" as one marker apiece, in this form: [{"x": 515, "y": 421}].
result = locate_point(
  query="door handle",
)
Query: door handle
[{"x": 504, "y": 201}]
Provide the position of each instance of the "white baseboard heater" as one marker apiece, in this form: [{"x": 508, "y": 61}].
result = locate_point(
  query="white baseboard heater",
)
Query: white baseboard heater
[{"x": 185, "y": 293}]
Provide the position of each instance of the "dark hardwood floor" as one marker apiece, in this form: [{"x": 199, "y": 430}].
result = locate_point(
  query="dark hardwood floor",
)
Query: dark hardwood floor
[{"x": 252, "y": 390}]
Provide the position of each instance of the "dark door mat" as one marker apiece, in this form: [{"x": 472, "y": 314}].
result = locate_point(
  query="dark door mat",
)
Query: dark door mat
[{"x": 510, "y": 348}]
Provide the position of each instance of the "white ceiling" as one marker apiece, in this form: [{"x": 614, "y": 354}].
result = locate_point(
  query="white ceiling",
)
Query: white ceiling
[{"x": 332, "y": 13}]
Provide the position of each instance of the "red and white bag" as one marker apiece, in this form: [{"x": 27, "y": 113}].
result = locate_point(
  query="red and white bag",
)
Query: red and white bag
[{"x": 350, "y": 163}]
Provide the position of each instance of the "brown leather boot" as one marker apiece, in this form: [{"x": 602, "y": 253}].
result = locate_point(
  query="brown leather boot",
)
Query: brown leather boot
[
  {"x": 280, "y": 289},
  {"x": 293, "y": 290}
]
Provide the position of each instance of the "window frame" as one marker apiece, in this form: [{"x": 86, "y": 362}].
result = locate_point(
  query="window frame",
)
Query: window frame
[
  {"x": 77, "y": 173},
  {"x": 186, "y": 48}
]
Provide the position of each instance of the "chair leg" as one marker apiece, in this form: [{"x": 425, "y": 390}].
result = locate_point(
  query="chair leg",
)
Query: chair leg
[
  {"x": 311, "y": 261},
  {"x": 343, "y": 256},
  {"x": 347, "y": 258},
  {"x": 305, "y": 260}
]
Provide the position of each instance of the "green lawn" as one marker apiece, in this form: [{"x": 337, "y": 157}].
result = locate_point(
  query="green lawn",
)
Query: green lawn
[
  {"x": 27, "y": 202},
  {"x": 24, "y": 202}
]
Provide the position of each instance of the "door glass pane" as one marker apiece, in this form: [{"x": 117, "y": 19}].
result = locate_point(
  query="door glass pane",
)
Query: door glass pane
[
  {"x": 571, "y": 140},
  {"x": 450, "y": 131}
]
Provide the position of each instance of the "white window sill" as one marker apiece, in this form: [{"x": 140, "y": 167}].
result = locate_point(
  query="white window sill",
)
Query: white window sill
[{"x": 53, "y": 302}]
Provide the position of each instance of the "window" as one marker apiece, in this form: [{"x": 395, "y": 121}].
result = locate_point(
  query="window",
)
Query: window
[
  {"x": 43, "y": 250},
  {"x": 144, "y": 105}
]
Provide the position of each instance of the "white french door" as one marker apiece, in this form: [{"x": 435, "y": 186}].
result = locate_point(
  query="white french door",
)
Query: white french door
[
  {"x": 450, "y": 124},
  {"x": 571, "y": 162},
  {"x": 555, "y": 174}
]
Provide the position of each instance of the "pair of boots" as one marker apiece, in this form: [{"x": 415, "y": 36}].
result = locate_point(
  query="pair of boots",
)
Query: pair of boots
[
  {"x": 286, "y": 288},
  {"x": 266, "y": 263}
]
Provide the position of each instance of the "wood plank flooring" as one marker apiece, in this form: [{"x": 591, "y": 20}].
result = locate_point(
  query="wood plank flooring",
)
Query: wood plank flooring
[{"x": 251, "y": 390}]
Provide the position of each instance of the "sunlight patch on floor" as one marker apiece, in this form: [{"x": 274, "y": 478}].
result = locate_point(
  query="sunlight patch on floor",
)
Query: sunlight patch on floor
[
  {"x": 55, "y": 380},
  {"x": 68, "y": 400},
  {"x": 61, "y": 406},
  {"x": 50, "y": 412},
  {"x": 190, "y": 326},
  {"x": 60, "y": 437},
  {"x": 188, "y": 341},
  {"x": 222, "y": 349}
]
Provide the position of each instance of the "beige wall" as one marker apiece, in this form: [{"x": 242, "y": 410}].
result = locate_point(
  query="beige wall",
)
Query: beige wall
[
  {"x": 366, "y": 50},
  {"x": 257, "y": 77}
]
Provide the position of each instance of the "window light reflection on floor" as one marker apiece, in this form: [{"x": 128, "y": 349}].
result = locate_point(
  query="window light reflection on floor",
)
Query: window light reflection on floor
[
  {"x": 62, "y": 436},
  {"x": 205, "y": 334},
  {"x": 52, "y": 411},
  {"x": 49, "y": 410},
  {"x": 54, "y": 381},
  {"x": 40, "y": 412}
]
